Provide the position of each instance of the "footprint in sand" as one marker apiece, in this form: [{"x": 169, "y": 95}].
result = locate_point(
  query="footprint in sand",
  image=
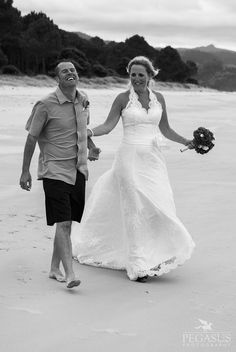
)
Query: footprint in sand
[
  {"x": 27, "y": 310},
  {"x": 115, "y": 332},
  {"x": 35, "y": 217},
  {"x": 5, "y": 249}
]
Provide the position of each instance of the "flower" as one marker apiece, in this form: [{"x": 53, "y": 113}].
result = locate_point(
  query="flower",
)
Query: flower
[
  {"x": 203, "y": 140},
  {"x": 85, "y": 104}
]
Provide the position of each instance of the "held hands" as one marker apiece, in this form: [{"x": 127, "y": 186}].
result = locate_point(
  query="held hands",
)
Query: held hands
[
  {"x": 93, "y": 150},
  {"x": 94, "y": 153},
  {"x": 26, "y": 181}
]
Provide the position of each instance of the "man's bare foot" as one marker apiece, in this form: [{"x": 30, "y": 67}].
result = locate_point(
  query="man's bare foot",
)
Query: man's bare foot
[
  {"x": 57, "y": 275},
  {"x": 72, "y": 283},
  {"x": 142, "y": 279}
]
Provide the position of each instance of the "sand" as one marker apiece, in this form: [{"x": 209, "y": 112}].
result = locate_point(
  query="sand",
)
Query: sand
[{"x": 108, "y": 312}]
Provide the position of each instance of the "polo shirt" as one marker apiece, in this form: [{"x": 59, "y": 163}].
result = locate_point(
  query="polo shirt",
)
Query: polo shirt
[{"x": 54, "y": 122}]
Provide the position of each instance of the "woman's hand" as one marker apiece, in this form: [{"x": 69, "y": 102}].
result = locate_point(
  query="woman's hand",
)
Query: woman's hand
[
  {"x": 189, "y": 144},
  {"x": 89, "y": 132}
]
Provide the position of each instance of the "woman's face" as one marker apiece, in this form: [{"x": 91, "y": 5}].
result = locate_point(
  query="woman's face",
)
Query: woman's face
[{"x": 139, "y": 77}]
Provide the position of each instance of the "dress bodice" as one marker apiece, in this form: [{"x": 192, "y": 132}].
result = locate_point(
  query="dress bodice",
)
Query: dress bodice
[{"x": 141, "y": 125}]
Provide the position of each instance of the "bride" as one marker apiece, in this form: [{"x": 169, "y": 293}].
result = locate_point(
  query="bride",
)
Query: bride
[{"x": 130, "y": 222}]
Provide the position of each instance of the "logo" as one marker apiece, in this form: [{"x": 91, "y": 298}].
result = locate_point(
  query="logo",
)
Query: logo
[
  {"x": 205, "y": 325},
  {"x": 205, "y": 336}
]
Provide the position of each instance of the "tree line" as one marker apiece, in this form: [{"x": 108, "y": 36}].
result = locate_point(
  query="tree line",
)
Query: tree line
[{"x": 33, "y": 44}]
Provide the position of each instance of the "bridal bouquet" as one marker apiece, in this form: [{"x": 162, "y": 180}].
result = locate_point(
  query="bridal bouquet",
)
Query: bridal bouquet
[{"x": 202, "y": 140}]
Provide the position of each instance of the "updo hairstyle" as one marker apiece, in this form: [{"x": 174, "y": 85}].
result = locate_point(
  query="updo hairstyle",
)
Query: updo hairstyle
[{"x": 143, "y": 61}]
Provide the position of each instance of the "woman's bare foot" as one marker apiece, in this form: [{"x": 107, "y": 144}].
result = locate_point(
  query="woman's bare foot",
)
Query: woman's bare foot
[{"x": 57, "y": 275}]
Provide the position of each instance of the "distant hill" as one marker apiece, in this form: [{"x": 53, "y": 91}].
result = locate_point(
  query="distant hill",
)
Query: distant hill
[
  {"x": 216, "y": 67},
  {"x": 208, "y": 53},
  {"x": 88, "y": 37},
  {"x": 83, "y": 35}
]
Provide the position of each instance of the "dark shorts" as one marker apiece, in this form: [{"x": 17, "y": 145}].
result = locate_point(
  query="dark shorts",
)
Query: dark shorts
[{"x": 64, "y": 201}]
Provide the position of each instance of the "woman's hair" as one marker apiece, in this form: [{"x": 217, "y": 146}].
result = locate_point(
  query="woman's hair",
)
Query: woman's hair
[{"x": 145, "y": 62}]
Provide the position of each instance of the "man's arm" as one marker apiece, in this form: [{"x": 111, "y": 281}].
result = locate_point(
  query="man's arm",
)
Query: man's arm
[
  {"x": 34, "y": 126},
  {"x": 25, "y": 179}
]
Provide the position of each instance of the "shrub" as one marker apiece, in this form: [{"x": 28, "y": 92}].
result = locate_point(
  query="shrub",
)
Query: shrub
[
  {"x": 10, "y": 70},
  {"x": 99, "y": 70}
]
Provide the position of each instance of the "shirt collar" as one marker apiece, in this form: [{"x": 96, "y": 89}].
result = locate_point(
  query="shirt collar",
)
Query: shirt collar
[{"x": 62, "y": 98}]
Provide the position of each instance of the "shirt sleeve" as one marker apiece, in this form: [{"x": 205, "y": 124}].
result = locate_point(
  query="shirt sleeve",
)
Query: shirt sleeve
[
  {"x": 85, "y": 98},
  {"x": 37, "y": 119}
]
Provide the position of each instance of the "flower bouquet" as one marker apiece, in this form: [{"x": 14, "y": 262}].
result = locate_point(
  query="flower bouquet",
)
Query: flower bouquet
[{"x": 202, "y": 141}]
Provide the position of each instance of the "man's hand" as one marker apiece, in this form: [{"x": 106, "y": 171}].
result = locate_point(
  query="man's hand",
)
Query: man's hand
[
  {"x": 94, "y": 153},
  {"x": 84, "y": 170},
  {"x": 26, "y": 181}
]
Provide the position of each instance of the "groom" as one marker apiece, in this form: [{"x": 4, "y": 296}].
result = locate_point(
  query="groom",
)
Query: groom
[{"x": 58, "y": 123}]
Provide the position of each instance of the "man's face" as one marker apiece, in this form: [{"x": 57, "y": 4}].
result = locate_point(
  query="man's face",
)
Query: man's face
[{"x": 67, "y": 75}]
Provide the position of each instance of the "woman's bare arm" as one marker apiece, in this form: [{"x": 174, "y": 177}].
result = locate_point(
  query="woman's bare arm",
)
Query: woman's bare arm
[
  {"x": 113, "y": 116},
  {"x": 164, "y": 126}
]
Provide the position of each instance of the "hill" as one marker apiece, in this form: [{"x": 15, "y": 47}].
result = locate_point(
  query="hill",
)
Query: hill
[
  {"x": 204, "y": 54},
  {"x": 83, "y": 35},
  {"x": 216, "y": 66}
]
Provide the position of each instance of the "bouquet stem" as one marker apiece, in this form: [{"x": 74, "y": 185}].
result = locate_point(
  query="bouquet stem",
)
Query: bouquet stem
[{"x": 184, "y": 150}]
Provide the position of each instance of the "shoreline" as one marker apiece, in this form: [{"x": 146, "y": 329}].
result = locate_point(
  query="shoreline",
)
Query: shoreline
[{"x": 108, "y": 82}]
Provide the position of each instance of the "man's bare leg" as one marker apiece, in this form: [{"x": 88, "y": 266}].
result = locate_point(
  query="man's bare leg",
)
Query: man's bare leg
[
  {"x": 55, "y": 272},
  {"x": 64, "y": 252}
]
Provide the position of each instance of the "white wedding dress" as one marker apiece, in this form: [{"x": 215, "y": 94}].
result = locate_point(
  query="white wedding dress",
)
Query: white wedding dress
[{"x": 130, "y": 221}]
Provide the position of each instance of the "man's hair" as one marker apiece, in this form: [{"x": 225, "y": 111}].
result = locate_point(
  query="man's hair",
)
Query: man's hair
[{"x": 56, "y": 70}]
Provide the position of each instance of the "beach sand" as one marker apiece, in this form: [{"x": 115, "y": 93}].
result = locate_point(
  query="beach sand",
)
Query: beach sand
[{"x": 108, "y": 312}]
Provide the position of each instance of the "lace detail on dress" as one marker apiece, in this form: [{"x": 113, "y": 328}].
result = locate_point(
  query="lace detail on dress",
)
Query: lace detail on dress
[
  {"x": 134, "y": 100},
  {"x": 135, "y": 271}
]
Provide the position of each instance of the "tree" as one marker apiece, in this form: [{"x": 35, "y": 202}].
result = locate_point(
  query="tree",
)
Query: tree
[
  {"x": 43, "y": 40},
  {"x": 172, "y": 68},
  {"x": 10, "y": 19},
  {"x": 99, "y": 70},
  {"x": 3, "y": 58},
  {"x": 122, "y": 66},
  {"x": 78, "y": 58}
]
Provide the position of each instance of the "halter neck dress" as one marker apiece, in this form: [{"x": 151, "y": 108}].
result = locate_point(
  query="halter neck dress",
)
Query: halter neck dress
[{"x": 130, "y": 220}]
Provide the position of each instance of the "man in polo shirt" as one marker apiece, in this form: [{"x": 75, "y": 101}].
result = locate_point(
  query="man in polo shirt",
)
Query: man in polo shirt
[{"x": 58, "y": 123}]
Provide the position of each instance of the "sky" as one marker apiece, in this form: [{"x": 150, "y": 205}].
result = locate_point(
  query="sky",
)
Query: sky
[{"x": 179, "y": 23}]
